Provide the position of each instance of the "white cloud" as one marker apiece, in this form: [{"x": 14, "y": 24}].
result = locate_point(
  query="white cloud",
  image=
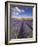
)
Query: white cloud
[
  {"x": 17, "y": 9},
  {"x": 19, "y": 16},
  {"x": 17, "y": 13},
  {"x": 22, "y": 10}
]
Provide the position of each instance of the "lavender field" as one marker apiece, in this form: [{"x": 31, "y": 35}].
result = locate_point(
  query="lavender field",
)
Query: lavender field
[{"x": 21, "y": 29}]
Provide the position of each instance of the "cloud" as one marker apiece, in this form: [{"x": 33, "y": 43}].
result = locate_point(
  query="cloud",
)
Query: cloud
[
  {"x": 17, "y": 9},
  {"x": 16, "y": 13},
  {"x": 16, "y": 17},
  {"x": 22, "y": 10},
  {"x": 19, "y": 16}
]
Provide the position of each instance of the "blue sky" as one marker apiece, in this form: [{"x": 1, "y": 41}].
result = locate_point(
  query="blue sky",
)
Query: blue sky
[{"x": 19, "y": 11}]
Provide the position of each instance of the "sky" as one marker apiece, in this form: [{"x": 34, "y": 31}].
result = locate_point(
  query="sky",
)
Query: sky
[{"x": 21, "y": 11}]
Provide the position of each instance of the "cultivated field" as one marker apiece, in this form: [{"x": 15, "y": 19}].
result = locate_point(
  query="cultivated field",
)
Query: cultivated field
[{"x": 21, "y": 28}]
